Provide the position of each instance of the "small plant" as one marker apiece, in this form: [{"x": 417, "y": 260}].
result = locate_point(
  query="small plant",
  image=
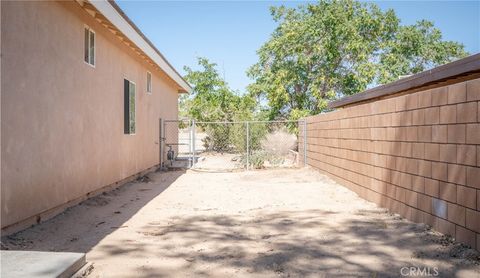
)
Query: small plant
[
  {"x": 275, "y": 160},
  {"x": 261, "y": 159},
  {"x": 256, "y": 160}
]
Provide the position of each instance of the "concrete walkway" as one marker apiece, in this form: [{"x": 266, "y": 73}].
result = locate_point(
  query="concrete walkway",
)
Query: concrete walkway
[
  {"x": 287, "y": 223},
  {"x": 40, "y": 264}
]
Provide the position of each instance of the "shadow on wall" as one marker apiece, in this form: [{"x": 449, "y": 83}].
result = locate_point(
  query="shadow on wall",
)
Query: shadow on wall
[
  {"x": 83, "y": 226},
  {"x": 415, "y": 166}
]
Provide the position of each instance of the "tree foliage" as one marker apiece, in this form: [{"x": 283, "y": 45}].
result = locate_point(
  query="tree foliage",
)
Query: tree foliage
[
  {"x": 330, "y": 49},
  {"x": 213, "y": 101},
  {"x": 211, "y": 98}
]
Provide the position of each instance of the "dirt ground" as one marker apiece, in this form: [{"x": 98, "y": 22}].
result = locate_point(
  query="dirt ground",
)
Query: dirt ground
[{"x": 285, "y": 223}]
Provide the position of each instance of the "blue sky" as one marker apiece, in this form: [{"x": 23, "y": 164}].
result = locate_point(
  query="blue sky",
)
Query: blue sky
[{"x": 229, "y": 33}]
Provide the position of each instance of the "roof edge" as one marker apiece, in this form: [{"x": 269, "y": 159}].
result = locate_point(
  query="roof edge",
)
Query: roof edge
[
  {"x": 110, "y": 10},
  {"x": 441, "y": 73}
]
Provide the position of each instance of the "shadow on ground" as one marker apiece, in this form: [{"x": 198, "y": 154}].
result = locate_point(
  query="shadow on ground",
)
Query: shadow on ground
[
  {"x": 260, "y": 224},
  {"x": 290, "y": 244},
  {"x": 80, "y": 228}
]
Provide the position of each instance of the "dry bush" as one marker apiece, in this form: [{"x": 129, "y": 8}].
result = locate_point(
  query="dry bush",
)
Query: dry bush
[{"x": 279, "y": 142}]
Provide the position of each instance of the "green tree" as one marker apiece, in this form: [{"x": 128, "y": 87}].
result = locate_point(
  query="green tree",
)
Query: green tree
[
  {"x": 212, "y": 100},
  {"x": 416, "y": 48},
  {"x": 323, "y": 51}
]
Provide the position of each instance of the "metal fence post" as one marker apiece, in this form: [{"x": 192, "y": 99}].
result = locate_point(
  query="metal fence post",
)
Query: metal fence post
[
  {"x": 248, "y": 145},
  {"x": 190, "y": 136},
  {"x": 193, "y": 142},
  {"x": 304, "y": 142},
  {"x": 162, "y": 140}
]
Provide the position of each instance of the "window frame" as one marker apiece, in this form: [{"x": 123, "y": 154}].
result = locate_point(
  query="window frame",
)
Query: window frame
[
  {"x": 149, "y": 88},
  {"x": 129, "y": 131},
  {"x": 90, "y": 31}
]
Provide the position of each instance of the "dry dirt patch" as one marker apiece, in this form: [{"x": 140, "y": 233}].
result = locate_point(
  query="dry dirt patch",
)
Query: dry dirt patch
[{"x": 287, "y": 223}]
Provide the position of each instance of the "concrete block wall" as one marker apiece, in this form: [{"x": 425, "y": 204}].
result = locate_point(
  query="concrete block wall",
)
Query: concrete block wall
[{"x": 417, "y": 154}]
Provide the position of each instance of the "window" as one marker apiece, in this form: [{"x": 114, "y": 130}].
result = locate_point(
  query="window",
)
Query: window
[
  {"x": 129, "y": 107},
  {"x": 149, "y": 82},
  {"x": 89, "y": 46}
]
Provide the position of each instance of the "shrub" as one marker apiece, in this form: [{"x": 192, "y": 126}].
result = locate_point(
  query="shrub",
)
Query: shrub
[
  {"x": 232, "y": 137},
  {"x": 256, "y": 159},
  {"x": 260, "y": 159},
  {"x": 279, "y": 142},
  {"x": 218, "y": 138}
]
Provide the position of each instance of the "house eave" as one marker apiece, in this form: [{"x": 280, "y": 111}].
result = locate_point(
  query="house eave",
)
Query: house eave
[{"x": 116, "y": 17}]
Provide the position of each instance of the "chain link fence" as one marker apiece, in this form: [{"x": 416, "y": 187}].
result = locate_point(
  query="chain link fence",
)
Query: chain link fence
[
  {"x": 220, "y": 145},
  {"x": 177, "y": 148},
  {"x": 234, "y": 146}
]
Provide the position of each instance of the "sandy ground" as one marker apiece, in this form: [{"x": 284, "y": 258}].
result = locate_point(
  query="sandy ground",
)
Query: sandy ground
[
  {"x": 212, "y": 161},
  {"x": 270, "y": 223}
]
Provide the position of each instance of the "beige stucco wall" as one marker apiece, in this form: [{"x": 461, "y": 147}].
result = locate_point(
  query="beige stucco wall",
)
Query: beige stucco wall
[{"x": 62, "y": 120}]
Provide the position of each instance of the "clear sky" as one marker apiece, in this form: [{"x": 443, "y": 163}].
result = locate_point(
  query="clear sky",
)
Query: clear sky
[{"x": 229, "y": 33}]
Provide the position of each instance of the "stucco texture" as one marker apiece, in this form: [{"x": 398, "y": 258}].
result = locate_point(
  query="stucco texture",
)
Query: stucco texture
[{"x": 62, "y": 119}]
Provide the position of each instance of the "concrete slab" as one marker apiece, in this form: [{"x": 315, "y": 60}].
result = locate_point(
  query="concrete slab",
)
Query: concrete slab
[{"x": 40, "y": 264}]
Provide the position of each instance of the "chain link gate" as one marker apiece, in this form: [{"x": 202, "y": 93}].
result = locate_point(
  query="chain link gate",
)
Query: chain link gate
[
  {"x": 233, "y": 146},
  {"x": 177, "y": 149}
]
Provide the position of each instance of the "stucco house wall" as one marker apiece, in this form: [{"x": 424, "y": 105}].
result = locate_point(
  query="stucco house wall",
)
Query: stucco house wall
[{"x": 62, "y": 127}]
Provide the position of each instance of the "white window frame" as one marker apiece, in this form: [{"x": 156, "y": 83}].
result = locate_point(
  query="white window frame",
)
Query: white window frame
[
  {"x": 90, "y": 30},
  {"x": 149, "y": 84}
]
